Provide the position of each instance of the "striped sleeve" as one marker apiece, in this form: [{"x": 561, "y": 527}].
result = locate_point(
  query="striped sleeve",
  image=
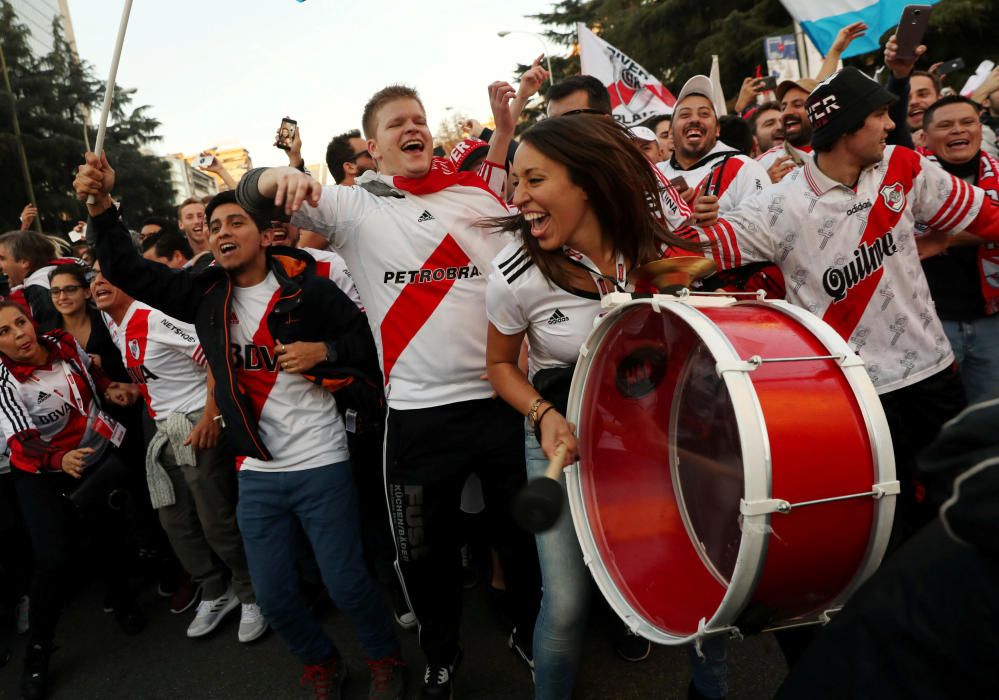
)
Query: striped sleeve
[
  {"x": 676, "y": 210},
  {"x": 28, "y": 452},
  {"x": 495, "y": 177},
  {"x": 942, "y": 201},
  {"x": 740, "y": 237},
  {"x": 502, "y": 306}
]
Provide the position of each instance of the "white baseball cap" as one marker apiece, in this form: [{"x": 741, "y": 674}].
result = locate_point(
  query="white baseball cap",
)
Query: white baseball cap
[
  {"x": 698, "y": 85},
  {"x": 642, "y": 133}
]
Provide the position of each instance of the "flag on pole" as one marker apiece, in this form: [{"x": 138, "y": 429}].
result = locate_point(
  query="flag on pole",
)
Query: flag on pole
[
  {"x": 720, "y": 109},
  {"x": 821, "y": 21},
  {"x": 635, "y": 94}
]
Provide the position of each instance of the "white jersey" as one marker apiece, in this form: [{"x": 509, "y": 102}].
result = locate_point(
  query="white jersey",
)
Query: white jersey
[
  {"x": 297, "y": 420},
  {"x": 165, "y": 360},
  {"x": 743, "y": 177},
  {"x": 331, "y": 265},
  {"x": 771, "y": 156},
  {"x": 419, "y": 262},
  {"x": 520, "y": 298},
  {"x": 849, "y": 256}
]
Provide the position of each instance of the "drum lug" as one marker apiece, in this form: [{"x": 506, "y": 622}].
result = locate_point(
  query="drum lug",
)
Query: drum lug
[
  {"x": 764, "y": 506},
  {"x": 703, "y": 632},
  {"x": 723, "y": 366}
]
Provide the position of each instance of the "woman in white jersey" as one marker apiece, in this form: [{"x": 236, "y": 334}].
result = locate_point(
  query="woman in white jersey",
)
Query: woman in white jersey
[
  {"x": 589, "y": 214},
  {"x": 63, "y": 473}
]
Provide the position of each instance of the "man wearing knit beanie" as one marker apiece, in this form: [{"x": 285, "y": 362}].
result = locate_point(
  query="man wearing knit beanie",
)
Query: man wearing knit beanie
[{"x": 840, "y": 230}]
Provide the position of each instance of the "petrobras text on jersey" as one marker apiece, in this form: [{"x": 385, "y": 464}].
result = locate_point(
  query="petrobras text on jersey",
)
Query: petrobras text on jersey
[{"x": 428, "y": 275}]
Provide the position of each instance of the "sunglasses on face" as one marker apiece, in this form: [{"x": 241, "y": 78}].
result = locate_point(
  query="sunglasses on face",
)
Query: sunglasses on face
[
  {"x": 362, "y": 154},
  {"x": 68, "y": 289}
]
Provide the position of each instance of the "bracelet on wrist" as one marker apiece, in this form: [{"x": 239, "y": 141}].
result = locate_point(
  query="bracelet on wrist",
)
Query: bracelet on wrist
[
  {"x": 532, "y": 413},
  {"x": 544, "y": 413}
]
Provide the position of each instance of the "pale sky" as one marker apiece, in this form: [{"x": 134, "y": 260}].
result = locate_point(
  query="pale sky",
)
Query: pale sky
[{"x": 217, "y": 72}]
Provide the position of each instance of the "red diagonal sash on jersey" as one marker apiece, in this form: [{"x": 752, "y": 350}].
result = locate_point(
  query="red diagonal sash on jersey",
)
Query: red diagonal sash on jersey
[
  {"x": 136, "y": 339},
  {"x": 417, "y": 302},
  {"x": 845, "y": 314}
]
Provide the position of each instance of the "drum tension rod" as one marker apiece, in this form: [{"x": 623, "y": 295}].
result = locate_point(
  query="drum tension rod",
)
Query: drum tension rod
[
  {"x": 756, "y": 361},
  {"x": 765, "y": 506}
]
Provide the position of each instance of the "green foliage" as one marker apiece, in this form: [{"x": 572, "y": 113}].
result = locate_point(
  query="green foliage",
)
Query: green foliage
[{"x": 52, "y": 93}]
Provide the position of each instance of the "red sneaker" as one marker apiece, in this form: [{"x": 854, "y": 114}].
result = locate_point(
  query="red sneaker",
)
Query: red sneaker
[
  {"x": 326, "y": 679},
  {"x": 388, "y": 678}
]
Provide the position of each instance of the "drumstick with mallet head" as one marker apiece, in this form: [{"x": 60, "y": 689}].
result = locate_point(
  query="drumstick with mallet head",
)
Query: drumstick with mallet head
[{"x": 539, "y": 504}]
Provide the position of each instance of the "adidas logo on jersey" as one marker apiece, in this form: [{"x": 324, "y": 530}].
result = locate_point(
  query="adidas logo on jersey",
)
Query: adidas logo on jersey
[
  {"x": 43, "y": 397},
  {"x": 425, "y": 216},
  {"x": 557, "y": 317},
  {"x": 233, "y": 321}
]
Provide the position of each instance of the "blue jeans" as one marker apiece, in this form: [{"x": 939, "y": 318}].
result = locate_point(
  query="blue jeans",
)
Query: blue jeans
[
  {"x": 976, "y": 349},
  {"x": 558, "y": 633},
  {"x": 565, "y": 605},
  {"x": 324, "y": 502}
]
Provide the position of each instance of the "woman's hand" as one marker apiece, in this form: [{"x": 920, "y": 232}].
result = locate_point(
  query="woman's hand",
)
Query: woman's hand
[
  {"x": 556, "y": 430},
  {"x": 72, "y": 461}
]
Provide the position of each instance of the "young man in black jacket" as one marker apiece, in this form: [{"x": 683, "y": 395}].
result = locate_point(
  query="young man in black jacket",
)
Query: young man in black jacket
[{"x": 278, "y": 340}]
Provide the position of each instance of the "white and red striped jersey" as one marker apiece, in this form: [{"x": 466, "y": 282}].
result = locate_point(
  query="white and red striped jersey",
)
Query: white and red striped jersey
[
  {"x": 331, "y": 265},
  {"x": 848, "y": 255},
  {"x": 420, "y": 263},
  {"x": 742, "y": 177},
  {"x": 164, "y": 358},
  {"x": 297, "y": 420},
  {"x": 49, "y": 410}
]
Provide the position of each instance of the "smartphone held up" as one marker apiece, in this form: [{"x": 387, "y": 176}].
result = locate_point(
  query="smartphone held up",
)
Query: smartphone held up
[
  {"x": 286, "y": 134},
  {"x": 911, "y": 30}
]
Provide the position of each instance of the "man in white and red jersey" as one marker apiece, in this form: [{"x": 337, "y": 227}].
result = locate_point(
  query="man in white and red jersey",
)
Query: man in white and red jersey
[
  {"x": 167, "y": 366},
  {"x": 840, "y": 228},
  {"x": 252, "y": 309},
  {"x": 711, "y": 167},
  {"x": 797, "y": 145},
  {"x": 964, "y": 277},
  {"x": 411, "y": 239}
]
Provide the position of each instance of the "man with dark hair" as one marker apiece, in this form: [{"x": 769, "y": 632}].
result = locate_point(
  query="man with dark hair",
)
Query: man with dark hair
[
  {"x": 168, "y": 247},
  {"x": 765, "y": 122},
  {"x": 796, "y": 147},
  {"x": 409, "y": 234},
  {"x": 347, "y": 157},
  {"x": 841, "y": 232},
  {"x": 924, "y": 90},
  {"x": 155, "y": 224},
  {"x": 578, "y": 93},
  {"x": 258, "y": 314},
  {"x": 963, "y": 277}
]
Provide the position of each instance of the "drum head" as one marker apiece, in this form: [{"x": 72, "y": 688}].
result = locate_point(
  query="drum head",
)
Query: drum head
[{"x": 661, "y": 470}]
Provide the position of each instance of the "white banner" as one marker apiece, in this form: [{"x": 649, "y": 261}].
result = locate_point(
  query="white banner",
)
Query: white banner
[{"x": 635, "y": 94}]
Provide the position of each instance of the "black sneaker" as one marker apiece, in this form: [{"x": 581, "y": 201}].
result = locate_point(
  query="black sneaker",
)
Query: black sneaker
[
  {"x": 35, "y": 678},
  {"x": 129, "y": 617},
  {"x": 522, "y": 649},
  {"x": 438, "y": 680},
  {"x": 631, "y": 647}
]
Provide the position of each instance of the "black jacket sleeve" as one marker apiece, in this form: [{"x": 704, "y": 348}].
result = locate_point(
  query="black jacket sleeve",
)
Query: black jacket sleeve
[
  {"x": 176, "y": 293},
  {"x": 42, "y": 310},
  {"x": 899, "y": 112}
]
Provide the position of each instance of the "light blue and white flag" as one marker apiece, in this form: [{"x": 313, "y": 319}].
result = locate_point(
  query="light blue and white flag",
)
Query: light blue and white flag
[{"x": 821, "y": 21}]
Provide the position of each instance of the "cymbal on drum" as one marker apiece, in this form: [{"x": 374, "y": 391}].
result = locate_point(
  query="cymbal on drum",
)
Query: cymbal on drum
[{"x": 671, "y": 274}]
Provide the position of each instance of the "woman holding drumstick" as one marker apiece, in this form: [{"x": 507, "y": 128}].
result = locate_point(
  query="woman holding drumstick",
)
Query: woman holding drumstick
[{"x": 589, "y": 213}]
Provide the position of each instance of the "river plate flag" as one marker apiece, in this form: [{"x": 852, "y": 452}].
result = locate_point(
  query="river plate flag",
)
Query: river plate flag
[
  {"x": 821, "y": 21},
  {"x": 635, "y": 94}
]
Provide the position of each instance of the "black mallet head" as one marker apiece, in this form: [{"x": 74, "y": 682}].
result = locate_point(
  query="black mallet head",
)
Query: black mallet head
[{"x": 538, "y": 505}]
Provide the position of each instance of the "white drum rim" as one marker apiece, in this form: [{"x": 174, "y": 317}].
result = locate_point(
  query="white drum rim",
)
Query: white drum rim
[
  {"x": 756, "y": 475},
  {"x": 879, "y": 434}
]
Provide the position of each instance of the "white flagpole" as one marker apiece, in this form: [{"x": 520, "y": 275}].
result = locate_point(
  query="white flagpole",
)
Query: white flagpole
[{"x": 109, "y": 90}]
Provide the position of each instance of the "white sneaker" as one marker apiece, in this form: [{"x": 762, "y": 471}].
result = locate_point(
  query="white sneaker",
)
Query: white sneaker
[
  {"x": 211, "y": 612},
  {"x": 251, "y": 623},
  {"x": 23, "y": 608}
]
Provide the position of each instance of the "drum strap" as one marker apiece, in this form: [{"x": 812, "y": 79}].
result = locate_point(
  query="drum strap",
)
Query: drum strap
[{"x": 605, "y": 283}]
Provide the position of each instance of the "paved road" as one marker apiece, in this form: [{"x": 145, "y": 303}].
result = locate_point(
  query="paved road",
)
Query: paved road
[{"x": 96, "y": 662}]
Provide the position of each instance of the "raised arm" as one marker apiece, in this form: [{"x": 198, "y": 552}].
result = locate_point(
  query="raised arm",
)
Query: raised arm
[
  {"x": 175, "y": 292},
  {"x": 844, "y": 38}
]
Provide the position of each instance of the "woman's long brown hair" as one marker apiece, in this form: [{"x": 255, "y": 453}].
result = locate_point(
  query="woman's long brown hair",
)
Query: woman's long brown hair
[{"x": 618, "y": 180}]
